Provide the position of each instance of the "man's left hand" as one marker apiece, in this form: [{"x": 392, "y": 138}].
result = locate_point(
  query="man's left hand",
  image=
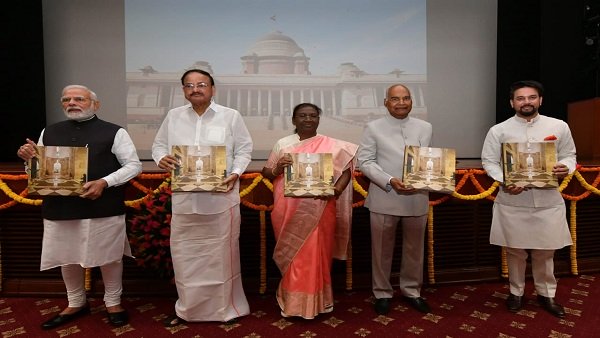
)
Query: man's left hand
[
  {"x": 230, "y": 181},
  {"x": 560, "y": 170},
  {"x": 93, "y": 189}
]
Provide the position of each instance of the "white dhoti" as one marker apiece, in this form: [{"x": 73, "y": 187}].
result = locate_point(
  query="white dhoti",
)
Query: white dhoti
[
  {"x": 206, "y": 262},
  {"x": 87, "y": 242}
]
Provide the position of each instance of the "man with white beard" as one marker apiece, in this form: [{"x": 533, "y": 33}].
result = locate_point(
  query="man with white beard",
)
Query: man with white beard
[{"x": 88, "y": 230}]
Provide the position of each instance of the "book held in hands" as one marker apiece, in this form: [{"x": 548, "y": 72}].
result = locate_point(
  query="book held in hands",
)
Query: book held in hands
[
  {"x": 427, "y": 168},
  {"x": 311, "y": 175},
  {"x": 57, "y": 171},
  {"x": 529, "y": 164},
  {"x": 201, "y": 168}
]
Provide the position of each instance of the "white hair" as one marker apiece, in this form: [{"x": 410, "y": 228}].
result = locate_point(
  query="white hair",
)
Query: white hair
[{"x": 93, "y": 95}]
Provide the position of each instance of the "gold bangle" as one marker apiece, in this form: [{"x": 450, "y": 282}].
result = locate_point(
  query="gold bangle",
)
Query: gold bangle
[{"x": 273, "y": 172}]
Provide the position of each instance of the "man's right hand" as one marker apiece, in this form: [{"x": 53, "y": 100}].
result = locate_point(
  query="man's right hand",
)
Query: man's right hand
[
  {"x": 513, "y": 189},
  {"x": 27, "y": 151},
  {"x": 168, "y": 162},
  {"x": 399, "y": 187}
]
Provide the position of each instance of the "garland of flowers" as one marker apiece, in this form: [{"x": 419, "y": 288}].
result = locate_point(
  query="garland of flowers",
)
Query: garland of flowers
[
  {"x": 263, "y": 253},
  {"x": 573, "y": 228},
  {"x": 17, "y": 198},
  {"x": 504, "y": 261},
  {"x": 12, "y": 202},
  {"x": 359, "y": 189},
  {"x": 430, "y": 251},
  {"x": 590, "y": 188},
  {"x": 349, "y": 267},
  {"x": 479, "y": 196}
]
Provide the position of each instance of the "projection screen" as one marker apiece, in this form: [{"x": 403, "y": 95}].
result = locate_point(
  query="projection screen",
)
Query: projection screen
[{"x": 268, "y": 55}]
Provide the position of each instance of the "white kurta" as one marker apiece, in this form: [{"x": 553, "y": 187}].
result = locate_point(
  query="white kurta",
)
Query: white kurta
[
  {"x": 205, "y": 225},
  {"x": 535, "y": 218},
  {"x": 219, "y": 125},
  {"x": 93, "y": 241}
]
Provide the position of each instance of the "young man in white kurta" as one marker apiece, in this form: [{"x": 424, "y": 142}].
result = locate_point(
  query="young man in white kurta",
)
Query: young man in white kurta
[{"x": 529, "y": 218}]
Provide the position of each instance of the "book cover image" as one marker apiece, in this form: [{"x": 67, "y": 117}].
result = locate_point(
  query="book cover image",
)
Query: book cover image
[
  {"x": 310, "y": 175},
  {"x": 529, "y": 164},
  {"x": 201, "y": 168},
  {"x": 57, "y": 171},
  {"x": 427, "y": 168}
]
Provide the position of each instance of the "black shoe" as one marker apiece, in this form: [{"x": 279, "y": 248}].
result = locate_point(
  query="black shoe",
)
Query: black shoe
[
  {"x": 231, "y": 321},
  {"x": 118, "y": 318},
  {"x": 549, "y": 305},
  {"x": 514, "y": 303},
  {"x": 59, "y": 319},
  {"x": 382, "y": 306},
  {"x": 418, "y": 303}
]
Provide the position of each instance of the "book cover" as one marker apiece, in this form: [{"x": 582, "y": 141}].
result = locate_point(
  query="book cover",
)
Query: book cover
[
  {"x": 310, "y": 175},
  {"x": 427, "y": 168},
  {"x": 201, "y": 168},
  {"x": 529, "y": 164},
  {"x": 57, "y": 171}
]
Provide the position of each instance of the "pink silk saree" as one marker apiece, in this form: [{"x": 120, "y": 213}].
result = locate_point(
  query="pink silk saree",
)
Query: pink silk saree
[{"x": 310, "y": 233}]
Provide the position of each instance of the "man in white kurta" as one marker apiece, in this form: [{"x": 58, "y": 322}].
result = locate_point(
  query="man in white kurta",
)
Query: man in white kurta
[
  {"x": 88, "y": 230},
  {"x": 380, "y": 158},
  {"x": 530, "y": 219},
  {"x": 205, "y": 226}
]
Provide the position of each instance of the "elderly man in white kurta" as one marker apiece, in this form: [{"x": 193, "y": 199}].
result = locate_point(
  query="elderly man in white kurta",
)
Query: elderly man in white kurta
[
  {"x": 205, "y": 226},
  {"x": 88, "y": 230},
  {"x": 390, "y": 202},
  {"x": 530, "y": 219}
]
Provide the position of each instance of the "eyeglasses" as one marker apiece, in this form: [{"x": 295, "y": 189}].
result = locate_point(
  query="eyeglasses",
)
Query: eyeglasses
[
  {"x": 197, "y": 85},
  {"x": 77, "y": 99},
  {"x": 396, "y": 99}
]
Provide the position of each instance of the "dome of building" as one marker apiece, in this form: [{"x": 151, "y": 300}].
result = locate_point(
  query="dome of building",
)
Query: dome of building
[
  {"x": 275, "y": 53},
  {"x": 275, "y": 44}
]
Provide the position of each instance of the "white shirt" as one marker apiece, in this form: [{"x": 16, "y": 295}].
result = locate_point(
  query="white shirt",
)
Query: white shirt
[
  {"x": 219, "y": 125},
  {"x": 519, "y": 130}
]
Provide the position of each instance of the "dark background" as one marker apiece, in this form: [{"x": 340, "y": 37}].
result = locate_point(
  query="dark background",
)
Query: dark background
[{"x": 543, "y": 40}]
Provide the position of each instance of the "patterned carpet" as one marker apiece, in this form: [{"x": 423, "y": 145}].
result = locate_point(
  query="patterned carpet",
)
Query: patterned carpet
[{"x": 462, "y": 310}]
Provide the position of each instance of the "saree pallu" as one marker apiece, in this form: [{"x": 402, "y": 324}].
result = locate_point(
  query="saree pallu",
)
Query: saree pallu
[{"x": 310, "y": 232}]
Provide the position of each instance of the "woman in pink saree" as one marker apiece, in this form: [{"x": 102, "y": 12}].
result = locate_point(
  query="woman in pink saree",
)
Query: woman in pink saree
[{"x": 309, "y": 232}]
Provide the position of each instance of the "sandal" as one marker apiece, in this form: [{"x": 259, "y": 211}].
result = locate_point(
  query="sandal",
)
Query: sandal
[{"x": 173, "y": 320}]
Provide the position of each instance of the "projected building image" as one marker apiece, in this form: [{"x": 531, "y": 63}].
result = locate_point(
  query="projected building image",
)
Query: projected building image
[{"x": 275, "y": 76}]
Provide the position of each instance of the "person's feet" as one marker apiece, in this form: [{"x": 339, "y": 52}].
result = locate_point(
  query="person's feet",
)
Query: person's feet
[
  {"x": 231, "y": 321},
  {"x": 382, "y": 306},
  {"x": 173, "y": 320},
  {"x": 418, "y": 303},
  {"x": 117, "y": 315},
  {"x": 551, "y": 306},
  {"x": 514, "y": 303},
  {"x": 67, "y": 315}
]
